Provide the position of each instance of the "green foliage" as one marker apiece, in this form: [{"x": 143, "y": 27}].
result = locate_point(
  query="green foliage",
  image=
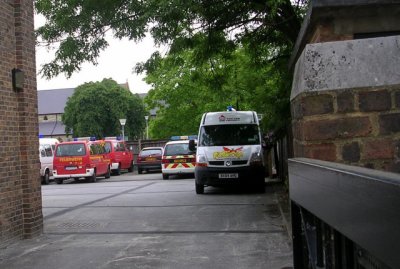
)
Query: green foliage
[
  {"x": 78, "y": 27},
  {"x": 183, "y": 90},
  {"x": 96, "y": 107},
  {"x": 222, "y": 52}
]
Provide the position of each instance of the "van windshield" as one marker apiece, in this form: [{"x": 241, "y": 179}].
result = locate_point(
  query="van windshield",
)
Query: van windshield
[
  {"x": 71, "y": 150},
  {"x": 229, "y": 135},
  {"x": 177, "y": 149}
]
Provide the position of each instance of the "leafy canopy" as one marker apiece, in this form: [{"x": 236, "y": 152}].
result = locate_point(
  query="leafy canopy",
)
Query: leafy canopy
[
  {"x": 96, "y": 107},
  {"x": 184, "y": 90},
  {"x": 78, "y": 27},
  {"x": 220, "y": 51}
]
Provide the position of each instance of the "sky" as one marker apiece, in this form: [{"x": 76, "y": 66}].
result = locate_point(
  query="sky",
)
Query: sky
[{"x": 116, "y": 62}]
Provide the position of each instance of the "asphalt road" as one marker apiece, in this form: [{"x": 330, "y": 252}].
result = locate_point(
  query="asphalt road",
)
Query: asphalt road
[{"x": 142, "y": 221}]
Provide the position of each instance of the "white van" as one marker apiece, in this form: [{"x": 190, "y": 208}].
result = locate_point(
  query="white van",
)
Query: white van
[
  {"x": 46, "y": 154},
  {"x": 229, "y": 150}
]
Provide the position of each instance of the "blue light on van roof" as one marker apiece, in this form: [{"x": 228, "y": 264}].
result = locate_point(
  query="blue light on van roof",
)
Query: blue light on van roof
[
  {"x": 183, "y": 137},
  {"x": 92, "y": 138},
  {"x": 41, "y": 136}
]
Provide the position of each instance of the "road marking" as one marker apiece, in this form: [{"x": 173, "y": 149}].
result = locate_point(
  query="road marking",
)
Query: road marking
[
  {"x": 173, "y": 232},
  {"x": 62, "y": 212}
]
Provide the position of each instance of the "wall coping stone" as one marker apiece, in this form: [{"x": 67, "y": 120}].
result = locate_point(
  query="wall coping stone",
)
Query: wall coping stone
[{"x": 361, "y": 63}]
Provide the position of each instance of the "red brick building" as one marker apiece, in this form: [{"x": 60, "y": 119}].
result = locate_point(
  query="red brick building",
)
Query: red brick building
[
  {"x": 20, "y": 189},
  {"x": 346, "y": 86}
]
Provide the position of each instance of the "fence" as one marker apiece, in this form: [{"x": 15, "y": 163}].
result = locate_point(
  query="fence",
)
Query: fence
[
  {"x": 138, "y": 145},
  {"x": 344, "y": 216}
]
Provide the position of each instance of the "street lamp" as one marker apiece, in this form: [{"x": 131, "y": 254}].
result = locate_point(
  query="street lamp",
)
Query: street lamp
[
  {"x": 122, "y": 121},
  {"x": 147, "y": 126}
]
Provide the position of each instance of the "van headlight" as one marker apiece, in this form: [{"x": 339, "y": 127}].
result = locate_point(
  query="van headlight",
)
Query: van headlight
[
  {"x": 201, "y": 160},
  {"x": 256, "y": 159}
]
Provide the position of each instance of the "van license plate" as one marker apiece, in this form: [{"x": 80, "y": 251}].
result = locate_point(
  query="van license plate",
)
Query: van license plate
[
  {"x": 230, "y": 175},
  {"x": 70, "y": 168}
]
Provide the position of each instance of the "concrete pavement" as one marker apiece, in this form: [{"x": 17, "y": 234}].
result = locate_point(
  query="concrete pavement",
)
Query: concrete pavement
[{"x": 142, "y": 221}]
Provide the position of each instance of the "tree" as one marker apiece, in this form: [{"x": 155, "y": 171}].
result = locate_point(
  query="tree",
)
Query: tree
[
  {"x": 190, "y": 89},
  {"x": 79, "y": 27},
  {"x": 211, "y": 31},
  {"x": 96, "y": 107}
]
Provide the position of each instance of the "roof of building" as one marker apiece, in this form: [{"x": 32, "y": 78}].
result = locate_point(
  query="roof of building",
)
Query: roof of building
[
  {"x": 322, "y": 10},
  {"x": 51, "y": 128},
  {"x": 53, "y": 101},
  {"x": 153, "y": 111}
]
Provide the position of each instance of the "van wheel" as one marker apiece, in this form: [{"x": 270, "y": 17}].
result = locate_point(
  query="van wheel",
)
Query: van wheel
[
  {"x": 93, "y": 178},
  {"x": 130, "y": 169},
  {"x": 199, "y": 188},
  {"x": 165, "y": 176},
  {"x": 46, "y": 177},
  {"x": 59, "y": 181},
  {"x": 261, "y": 185},
  {"x": 118, "y": 170},
  {"x": 108, "y": 174}
]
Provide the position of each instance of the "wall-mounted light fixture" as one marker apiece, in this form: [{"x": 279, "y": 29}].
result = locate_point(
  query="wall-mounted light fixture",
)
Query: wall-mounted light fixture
[{"x": 17, "y": 79}]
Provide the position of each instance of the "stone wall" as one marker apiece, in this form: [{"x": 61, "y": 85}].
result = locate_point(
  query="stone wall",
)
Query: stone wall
[
  {"x": 346, "y": 103},
  {"x": 20, "y": 188}
]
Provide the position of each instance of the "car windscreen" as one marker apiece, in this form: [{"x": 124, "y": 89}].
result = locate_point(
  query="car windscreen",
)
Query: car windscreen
[
  {"x": 119, "y": 146},
  {"x": 148, "y": 152},
  {"x": 229, "y": 135},
  {"x": 177, "y": 149},
  {"x": 71, "y": 150}
]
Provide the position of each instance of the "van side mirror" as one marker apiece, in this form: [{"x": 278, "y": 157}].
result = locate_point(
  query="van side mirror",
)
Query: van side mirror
[
  {"x": 192, "y": 145},
  {"x": 264, "y": 144}
]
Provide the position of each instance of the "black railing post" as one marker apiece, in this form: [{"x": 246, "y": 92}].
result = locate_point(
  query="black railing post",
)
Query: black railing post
[
  {"x": 358, "y": 209},
  {"x": 297, "y": 234}
]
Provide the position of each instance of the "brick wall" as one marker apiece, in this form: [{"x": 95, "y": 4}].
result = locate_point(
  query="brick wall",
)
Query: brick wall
[
  {"x": 325, "y": 32},
  {"x": 359, "y": 127},
  {"x": 20, "y": 189}
]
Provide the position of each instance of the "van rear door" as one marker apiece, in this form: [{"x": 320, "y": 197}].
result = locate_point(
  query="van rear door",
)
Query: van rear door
[{"x": 71, "y": 158}]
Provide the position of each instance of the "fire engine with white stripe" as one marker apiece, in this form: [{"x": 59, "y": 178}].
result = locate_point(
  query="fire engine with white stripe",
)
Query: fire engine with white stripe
[{"x": 177, "y": 158}]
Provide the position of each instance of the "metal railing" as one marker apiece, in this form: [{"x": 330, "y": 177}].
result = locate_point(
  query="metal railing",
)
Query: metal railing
[
  {"x": 344, "y": 216},
  {"x": 138, "y": 145}
]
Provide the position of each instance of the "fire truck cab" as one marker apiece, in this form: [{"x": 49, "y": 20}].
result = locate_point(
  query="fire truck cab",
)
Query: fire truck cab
[
  {"x": 121, "y": 157},
  {"x": 81, "y": 159}
]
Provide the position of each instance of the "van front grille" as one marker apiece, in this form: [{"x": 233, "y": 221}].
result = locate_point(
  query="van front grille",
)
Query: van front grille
[{"x": 221, "y": 163}]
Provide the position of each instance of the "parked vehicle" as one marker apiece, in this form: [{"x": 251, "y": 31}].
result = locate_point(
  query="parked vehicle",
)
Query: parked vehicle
[
  {"x": 77, "y": 159},
  {"x": 229, "y": 150},
  {"x": 177, "y": 158},
  {"x": 120, "y": 156},
  {"x": 149, "y": 159},
  {"x": 46, "y": 153}
]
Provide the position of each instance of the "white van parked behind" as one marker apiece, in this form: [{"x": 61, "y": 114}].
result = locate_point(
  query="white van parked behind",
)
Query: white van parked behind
[
  {"x": 46, "y": 154},
  {"x": 229, "y": 150}
]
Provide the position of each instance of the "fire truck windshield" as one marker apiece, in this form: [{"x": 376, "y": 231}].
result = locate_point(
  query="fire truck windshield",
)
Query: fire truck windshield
[{"x": 71, "y": 150}]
